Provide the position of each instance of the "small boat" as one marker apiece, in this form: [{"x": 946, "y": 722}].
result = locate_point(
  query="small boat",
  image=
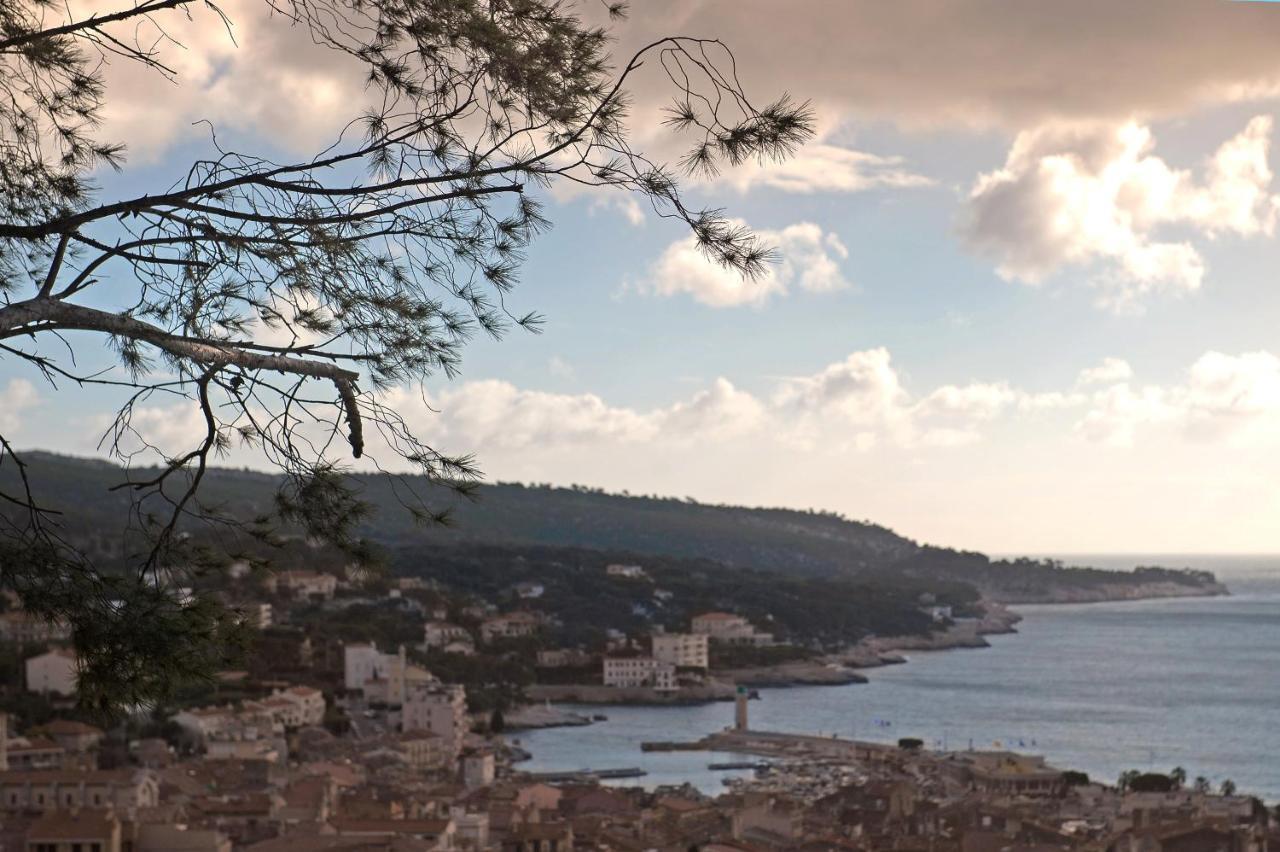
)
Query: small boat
[{"x": 599, "y": 717}]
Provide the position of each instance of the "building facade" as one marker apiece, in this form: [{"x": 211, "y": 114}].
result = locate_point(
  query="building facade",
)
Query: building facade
[
  {"x": 53, "y": 673},
  {"x": 729, "y": 628},
  {"x": 682, "y": 650},
  {"x": 440, "y": 709},
  {"x": 628, "y": 672}
]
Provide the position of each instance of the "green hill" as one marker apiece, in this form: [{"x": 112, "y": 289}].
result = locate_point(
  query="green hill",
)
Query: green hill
[{"x": 780, "y": 541}]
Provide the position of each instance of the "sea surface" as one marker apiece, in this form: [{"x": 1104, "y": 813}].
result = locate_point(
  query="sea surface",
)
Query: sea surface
[{"x": 1102, "y": 688}]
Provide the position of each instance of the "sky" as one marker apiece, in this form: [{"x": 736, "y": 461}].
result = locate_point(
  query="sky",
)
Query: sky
[{"x": 1025, "y": 299}]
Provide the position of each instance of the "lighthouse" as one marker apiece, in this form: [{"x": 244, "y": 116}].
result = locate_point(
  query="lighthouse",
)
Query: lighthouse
[{"x": 740, "y": 709}]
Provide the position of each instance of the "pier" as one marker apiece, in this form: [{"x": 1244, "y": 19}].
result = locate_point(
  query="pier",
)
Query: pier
[{"x": 588, "y": 775}]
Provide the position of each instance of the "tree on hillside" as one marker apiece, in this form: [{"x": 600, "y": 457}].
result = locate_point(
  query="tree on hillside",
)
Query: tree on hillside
[
  {"x": 1126, "y": 779},
  {"x": 283, "y": 298},
  {"x": 1151, "y": 782}
]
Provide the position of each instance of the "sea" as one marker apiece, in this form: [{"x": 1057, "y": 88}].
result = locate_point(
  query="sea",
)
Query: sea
[{"x": 1101, "y": 688}]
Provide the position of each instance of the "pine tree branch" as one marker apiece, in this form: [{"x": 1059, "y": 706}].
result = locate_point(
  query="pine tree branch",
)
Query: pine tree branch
[
  {"x": 93, "y": 22},
  {"x": 43, "y": 314}
]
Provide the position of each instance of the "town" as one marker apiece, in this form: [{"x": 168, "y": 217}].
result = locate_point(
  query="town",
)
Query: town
[{"x": 333, "y": 740}]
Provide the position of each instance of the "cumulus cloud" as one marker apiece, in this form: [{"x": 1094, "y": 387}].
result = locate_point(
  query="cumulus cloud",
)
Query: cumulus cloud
[
  {"x": 848, "y": 407},
  {"x": 1222, "y": 396},
  {"x": 985, "y": 62},
  {"x": 809, "y": 258},
  {"x": 1096, "y": 197},
  {"x": 16, "y": 397},
  {"x": 497, "y": 414},
  {"x": 625, "y": 205},
  {"x": 973, "y": 63},
  {"x": 260, "y": 75},
  {"x": 852, "y": 405},
  {"x": 721, "y": 411},
  {"x": 820, "y": 167},
  {"x": 1109, "y": 371},
  {"x": 862, "y": 402}
]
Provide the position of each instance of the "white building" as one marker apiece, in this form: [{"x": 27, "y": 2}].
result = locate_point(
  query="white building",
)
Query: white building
[
  {"x": 730, "y": 629},
  {"x": 511, "y": 625},
  {"x": 204, "y": 722},
  {"x": 630, "y": 572},
  {"x": 252, "y": 735},
  {"x": 298, "y": 706},
  {"x": 939, "y": 613},
  {"x": 440, "y": 709},
  {"x": 682, "y": 650},
  {"x": 360, "y": 663},
  {"x": 478, "y": 769},
  {"x": 529, "y": 591},
  {"x": 380, "y": 676},
  {"x": 639, "y": 671},
  {"x": 53, "y": 672},
  {"x": 257, "y": 615},
  {"x": 438, "y": 634},
  {"x": 304, "y": 584},
  {"x": 560, "y": 658}
]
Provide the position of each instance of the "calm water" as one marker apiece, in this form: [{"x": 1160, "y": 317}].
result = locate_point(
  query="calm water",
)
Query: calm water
[{"x": 1102, "y": 687}]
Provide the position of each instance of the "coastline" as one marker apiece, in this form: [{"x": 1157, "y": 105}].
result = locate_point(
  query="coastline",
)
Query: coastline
[
  {"x": 1113, "y": 593},
  {"x": 841, "y": 668}
]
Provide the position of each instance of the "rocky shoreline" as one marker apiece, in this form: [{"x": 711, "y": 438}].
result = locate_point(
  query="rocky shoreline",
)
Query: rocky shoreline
[
  {"x": 592, "y": 693},
  {"x": 837, "y": 669},
  {"x": 1114, "y": 592},
  {"x": 831, "y": 670}
]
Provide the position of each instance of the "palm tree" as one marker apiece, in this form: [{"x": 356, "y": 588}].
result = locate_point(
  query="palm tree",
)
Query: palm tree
[
  {"x": 1201, "y": 784},
  {"x": 1228, "y": 788},
  {"x": 1126, "y": 779},
  {"x": 1178, "y": 776}
]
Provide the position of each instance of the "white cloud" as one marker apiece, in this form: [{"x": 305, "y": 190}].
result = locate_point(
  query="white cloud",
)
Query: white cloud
[
  {"x": 1225, "y": 392},
  {"x": 1096, "y": 197},
  {"x": 261, "y": 76},
  {"x": 1109, "y": 371},
  {"x": 864, "y": 387},
  {"x": 17, "y": 396},
  {"x": 620, "y": 202},
  {"x": 497, "y": 414},
  {"x": 820, "y": 167},
  {"x": 560, "y": 368},
  {"x": 722, "y": 411},
  {"x": 809, "y": 258},
  {"x": 849, "y": 407},
  {"x": 861, "y": 402},
  {"x": 1049, "y": 401},
  {"x": 1117, "y": 412},
  {"x": 1222, "y": 397}
]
